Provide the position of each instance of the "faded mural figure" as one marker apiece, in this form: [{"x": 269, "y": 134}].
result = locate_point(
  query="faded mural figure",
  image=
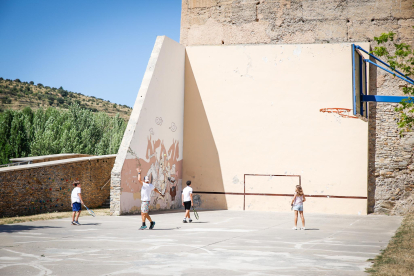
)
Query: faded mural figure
[{"x": 162, "y": 169}]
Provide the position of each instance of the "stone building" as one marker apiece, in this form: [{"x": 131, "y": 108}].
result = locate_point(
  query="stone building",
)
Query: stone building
[{"x": 224, "y": 22}]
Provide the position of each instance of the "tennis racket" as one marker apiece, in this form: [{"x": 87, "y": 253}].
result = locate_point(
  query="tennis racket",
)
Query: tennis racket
[
  {"x": 90, "y": 211},
  {"x": 195, "y": 213}
]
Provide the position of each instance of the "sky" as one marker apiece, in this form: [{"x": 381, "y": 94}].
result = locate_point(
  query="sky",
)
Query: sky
[{"x": 95, "y": 47}]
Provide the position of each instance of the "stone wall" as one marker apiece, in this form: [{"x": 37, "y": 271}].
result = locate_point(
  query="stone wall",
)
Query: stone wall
[
  {"x": 46, "y": 187},
  {"x": 46, "y": 158},
  {"x": 216, "y": 22},
  {"x": 298, "y": 21}
]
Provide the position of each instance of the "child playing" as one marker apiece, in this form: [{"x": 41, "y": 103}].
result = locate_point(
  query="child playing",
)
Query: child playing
[
  {"x": 297, "y": 204},
  {"x": 76, "y": 199},
  {"x": 145, "y": 200},
  {"x": 187, "y": 199}
]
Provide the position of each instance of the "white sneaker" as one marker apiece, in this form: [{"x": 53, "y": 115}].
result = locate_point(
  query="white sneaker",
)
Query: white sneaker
[
  {"x": 294, "y": 228},
  {"x": 303, "y": 228}
]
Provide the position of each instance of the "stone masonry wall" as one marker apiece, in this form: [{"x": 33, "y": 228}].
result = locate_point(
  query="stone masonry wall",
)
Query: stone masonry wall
[
  {"x": 46, "y": 158},
  {"x": 292, "y": 21},
  {"x": 46, "y": 187},
  {"x": 215, "y": 22}
]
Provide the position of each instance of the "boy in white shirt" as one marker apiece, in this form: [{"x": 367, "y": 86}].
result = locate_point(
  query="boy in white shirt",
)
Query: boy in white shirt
[
  {"x": 76, "y": 199},
  {"x": 187, "y": 199},
  {"x": 145, "y": 200}
]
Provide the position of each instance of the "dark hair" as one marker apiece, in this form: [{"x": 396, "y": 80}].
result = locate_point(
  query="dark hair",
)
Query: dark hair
[
  {"x": 76, "y": 183},
  {"x": 188, "y": 183}
]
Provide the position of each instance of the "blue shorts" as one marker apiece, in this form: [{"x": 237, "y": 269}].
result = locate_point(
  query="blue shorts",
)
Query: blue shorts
[
  {"x": 76, "y": 206},
  {"x": 298, "y": 207}
]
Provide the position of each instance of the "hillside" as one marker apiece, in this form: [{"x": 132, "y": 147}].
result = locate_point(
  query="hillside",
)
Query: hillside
[{"x": 17, "y": 95}]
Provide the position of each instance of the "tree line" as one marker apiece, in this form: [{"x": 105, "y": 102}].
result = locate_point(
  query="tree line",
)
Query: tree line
[{"x": 52, "y": 131}]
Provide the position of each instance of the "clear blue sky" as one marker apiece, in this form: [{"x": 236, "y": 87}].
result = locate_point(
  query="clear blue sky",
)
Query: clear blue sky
[{"x": 95, "y": 47}]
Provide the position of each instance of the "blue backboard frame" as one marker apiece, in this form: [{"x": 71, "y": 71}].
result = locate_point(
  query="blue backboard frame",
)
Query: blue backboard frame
[
  {"x": 359, "y": 83},
  {"x": 360, "y": 95}
]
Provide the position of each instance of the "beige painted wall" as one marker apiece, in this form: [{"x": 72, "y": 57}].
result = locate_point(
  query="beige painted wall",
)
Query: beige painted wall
[
  {"x": 254, "y": 109},
  {"x": 153, "y": 139}
]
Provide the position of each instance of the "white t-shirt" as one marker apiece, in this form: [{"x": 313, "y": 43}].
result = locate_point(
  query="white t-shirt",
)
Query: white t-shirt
[
  {"x": 146, "y": 191},
  {"x": 75, "y": 197},
  {"x": 186, "y": 192}
]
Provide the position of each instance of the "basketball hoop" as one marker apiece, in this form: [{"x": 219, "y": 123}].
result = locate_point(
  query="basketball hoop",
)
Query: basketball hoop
[{"x": 343, "y": 112}]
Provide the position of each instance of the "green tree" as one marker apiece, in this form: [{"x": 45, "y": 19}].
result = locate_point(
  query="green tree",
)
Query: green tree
[
  {"x": 6, "y": 119},
  {"x": 60, "y": 100},
  {"x": 400, "y": 56},
  {"x": 53, "y": 131}
]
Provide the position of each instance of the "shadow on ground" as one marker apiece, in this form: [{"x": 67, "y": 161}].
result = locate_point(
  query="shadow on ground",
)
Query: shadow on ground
[{"x": 17, "y": 228}]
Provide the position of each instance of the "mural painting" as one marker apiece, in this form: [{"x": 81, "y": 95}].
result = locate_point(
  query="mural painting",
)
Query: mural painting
[{"x": 162, "y": 164}]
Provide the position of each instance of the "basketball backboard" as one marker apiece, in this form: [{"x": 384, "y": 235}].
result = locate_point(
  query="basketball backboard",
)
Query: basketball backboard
[{"x": 359, "y": 82}]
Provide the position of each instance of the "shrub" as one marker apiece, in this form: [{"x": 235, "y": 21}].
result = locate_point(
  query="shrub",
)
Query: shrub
[
  {"x": 60, "y": 100},
  {"x": 17, "y": 80},
  {"x": 40, "y": 85},
  {"x": 32, "y": 82}
]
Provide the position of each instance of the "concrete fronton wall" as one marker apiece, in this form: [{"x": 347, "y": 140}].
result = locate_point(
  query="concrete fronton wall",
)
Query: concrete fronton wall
[
  {"x": 391, "y": 162},
  {"x": 256, "y": 110},
  {"x": 153, "y": 139}
]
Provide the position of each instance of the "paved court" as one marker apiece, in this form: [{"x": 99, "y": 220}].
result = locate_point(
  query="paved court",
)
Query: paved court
[{"x": 220, "y": 243}]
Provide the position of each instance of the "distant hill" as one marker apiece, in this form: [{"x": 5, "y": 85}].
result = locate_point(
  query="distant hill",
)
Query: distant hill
[{"x": 16, "y": 95}]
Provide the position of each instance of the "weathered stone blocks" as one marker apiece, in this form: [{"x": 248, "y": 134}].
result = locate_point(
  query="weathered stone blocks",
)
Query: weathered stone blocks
[{"x": 46, "y": 187}]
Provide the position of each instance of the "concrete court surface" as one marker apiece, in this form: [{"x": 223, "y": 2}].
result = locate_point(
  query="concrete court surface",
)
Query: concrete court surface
[{"x": 220, "y": 243}]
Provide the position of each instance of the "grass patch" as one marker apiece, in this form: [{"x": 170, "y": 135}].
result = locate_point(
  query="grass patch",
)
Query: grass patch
[
  {"x": 398, "y": 257},
  {"x": 54, "y": 215}
]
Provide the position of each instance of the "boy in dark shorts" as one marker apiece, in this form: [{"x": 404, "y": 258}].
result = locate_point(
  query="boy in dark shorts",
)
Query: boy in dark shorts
[
  {"x": 187, "y": 199},
  {"x": 76, "y": 199}
]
